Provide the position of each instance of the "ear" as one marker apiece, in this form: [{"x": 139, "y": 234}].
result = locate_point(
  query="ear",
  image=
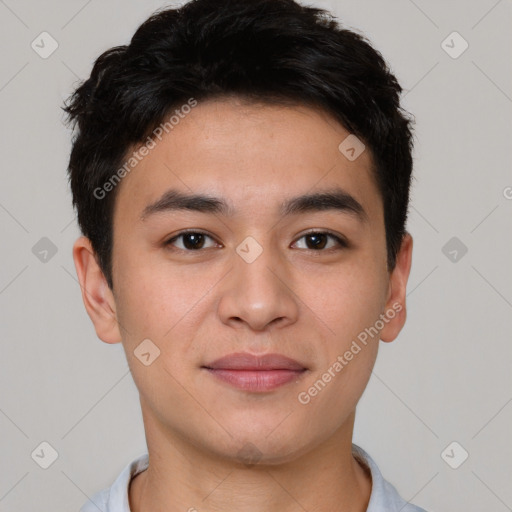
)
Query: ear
[
  {"x": 395, "y": 303},
  {"x": 96, "y": 294}
]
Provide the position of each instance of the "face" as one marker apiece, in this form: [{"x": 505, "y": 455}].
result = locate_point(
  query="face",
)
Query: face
[{"x": 256, "y": 272}]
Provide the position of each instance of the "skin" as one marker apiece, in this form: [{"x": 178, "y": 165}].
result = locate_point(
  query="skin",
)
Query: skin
[{"x": 308, "y": 304}]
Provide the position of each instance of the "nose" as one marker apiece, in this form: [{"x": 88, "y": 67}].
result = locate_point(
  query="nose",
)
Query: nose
[{"x": 258, "y": 293}]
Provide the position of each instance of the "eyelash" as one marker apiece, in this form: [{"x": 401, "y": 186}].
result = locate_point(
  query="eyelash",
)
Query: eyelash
[{"x": 342, "y": 243}]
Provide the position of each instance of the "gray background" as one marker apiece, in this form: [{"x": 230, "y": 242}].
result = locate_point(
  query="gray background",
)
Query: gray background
[{"x": 446, "y": 378}]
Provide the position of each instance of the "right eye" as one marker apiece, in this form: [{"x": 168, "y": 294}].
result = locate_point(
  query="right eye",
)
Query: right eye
[{"x": 191, "y": 241}]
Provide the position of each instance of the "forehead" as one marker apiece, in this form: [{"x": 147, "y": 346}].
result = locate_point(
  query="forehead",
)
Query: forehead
[{"x": 252, "y": 155}]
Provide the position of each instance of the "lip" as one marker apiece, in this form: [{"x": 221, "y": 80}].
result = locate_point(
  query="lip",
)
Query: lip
[
  {"x": 255, "y": 373},
  {"x": 246, "y": 361}
]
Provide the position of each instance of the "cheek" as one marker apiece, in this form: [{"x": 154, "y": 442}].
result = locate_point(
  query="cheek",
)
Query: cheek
[
  {"x": 346, "y": 386},
  {"x": 350, "y": 300},
  {"x": 152, "y": 299},
  {"x": 166, "y": 307},
  {"x": 159, "y": 306},
  {"x": 354, "y": 305}
]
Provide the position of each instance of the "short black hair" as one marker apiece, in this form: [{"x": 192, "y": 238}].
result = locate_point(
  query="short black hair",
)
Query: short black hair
[{"x": 265, "y": 51}]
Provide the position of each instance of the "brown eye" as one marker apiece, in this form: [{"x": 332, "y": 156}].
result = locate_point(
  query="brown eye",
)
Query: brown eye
[
  {"x": 318, "y": 241},
  {"x": 190, "y": 241}
]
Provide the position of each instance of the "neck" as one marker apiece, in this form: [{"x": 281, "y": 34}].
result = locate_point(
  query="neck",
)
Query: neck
[{"x": 182, "y": 477}]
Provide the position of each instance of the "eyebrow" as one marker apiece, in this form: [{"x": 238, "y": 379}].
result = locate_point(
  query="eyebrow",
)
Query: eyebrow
[{"x": 332, "y": 199}]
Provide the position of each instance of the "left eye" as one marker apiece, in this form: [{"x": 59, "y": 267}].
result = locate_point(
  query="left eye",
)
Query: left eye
[{"x": 318, "y": 240}]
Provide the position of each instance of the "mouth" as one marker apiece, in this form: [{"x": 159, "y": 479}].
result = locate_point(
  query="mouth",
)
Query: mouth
[{"x": 255, "y": 373}]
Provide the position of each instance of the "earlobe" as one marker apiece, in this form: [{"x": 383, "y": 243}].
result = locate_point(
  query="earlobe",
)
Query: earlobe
[
  {"x": 395, "y": 310},
  {"x": 96, "y": 294}
]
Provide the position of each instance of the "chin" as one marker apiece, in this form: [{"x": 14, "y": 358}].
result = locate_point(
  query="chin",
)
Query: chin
[{"x": 255, "y": 448}]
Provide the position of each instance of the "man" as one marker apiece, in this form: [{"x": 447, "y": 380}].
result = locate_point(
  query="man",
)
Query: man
[{"x": 241, "y": 175}]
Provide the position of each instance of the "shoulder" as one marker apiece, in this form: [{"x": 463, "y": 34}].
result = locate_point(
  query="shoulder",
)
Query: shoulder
[
  {"x": 384, "y": 496},
  {"x": 115, "y": 498},
  {"x": 98, "y": 501}
]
